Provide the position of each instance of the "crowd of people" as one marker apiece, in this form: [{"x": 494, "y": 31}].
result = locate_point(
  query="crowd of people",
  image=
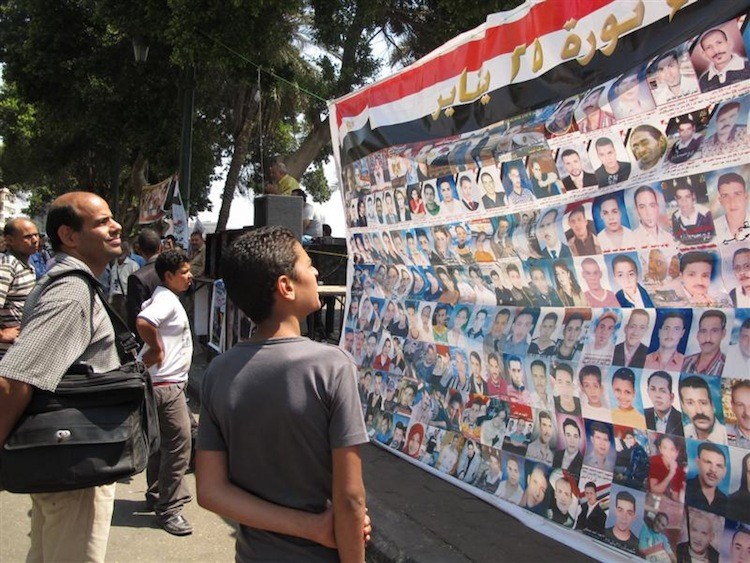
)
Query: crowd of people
[{"x": 74, "y": 525}]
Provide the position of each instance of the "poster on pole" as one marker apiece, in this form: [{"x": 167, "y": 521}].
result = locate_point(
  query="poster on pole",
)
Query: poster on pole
[
  {"x": 154, "y": 198},
  {"x": 549, "y": 270}
]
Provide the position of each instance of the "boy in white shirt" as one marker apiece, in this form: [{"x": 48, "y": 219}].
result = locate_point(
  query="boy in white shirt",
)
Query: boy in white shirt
[{"x": 164, "y": 327}]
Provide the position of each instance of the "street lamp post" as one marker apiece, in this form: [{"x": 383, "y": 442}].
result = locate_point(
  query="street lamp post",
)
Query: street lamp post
[
  {"x": 140, "y": 52},
  {"x": 186, "y": 149}
]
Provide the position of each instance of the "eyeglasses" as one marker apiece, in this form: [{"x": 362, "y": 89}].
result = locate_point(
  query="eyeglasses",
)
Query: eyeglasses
[{"x": 741, "y": 268}]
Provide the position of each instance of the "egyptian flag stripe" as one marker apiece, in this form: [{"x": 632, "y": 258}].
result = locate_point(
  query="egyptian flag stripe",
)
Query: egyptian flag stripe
[
  {"x": 497, "y": 40},
  {"x": 563, "y": 81}
]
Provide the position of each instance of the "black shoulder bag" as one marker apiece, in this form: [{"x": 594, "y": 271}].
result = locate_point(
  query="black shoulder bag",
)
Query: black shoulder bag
[{"x": 94, "y": 429}]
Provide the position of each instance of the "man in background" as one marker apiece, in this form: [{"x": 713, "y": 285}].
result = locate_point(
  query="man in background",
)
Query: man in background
[
  {"x": 17, "y": 277},
  {"x": 119, "y": 272},
  {"x": 312, "y": 223},
  {"x": 282, "y": 182},
  {"x": 197, "y": 255},
  {"x": 143, "y": 282}
]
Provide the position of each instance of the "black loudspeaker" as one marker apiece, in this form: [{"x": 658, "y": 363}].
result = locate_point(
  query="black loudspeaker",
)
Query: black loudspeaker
[
  {"x": 281, "y": 210},
  {"x": 216, "y": 244},
  {"x": 329, "y": 258}
]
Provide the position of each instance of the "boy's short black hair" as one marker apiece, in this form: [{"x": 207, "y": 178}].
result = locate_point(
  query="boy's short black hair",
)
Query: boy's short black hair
[
  {"x": 170, "y": 261},
  {"x": 252, "y": 266}
]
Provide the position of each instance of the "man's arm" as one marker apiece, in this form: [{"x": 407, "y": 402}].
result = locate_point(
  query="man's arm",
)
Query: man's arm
[
  {"x": 14, "y": 397},
  {"x": 7, "y": 334},
  {"x": 150, "y": 335},
  {"x": 216, "y": 493},
  {"x": 348, "y": 504}
]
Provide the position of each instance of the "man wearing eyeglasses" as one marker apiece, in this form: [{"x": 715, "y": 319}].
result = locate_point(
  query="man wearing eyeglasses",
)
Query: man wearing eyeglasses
[
  {"x": 740, "y": 295},
  {"x": 17, "y": 277}
]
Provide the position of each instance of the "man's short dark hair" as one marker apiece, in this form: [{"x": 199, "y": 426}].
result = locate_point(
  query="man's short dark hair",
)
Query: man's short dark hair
[
  {"x": 573, "y": 423},
  {"x": 574, "y": 317},
  {"x": 62, "y": 216},
  {"x": 253, "y": 265},
  {"x": 563, "y": 367},
  {"x": 662, "y": 374},
  {"x": 642, "y": 189},
  {"x": 590, "y": 485},
  {"x": 544, "y": 414},
  {"x": 576, "y": 210},
  {"x": 149, "y": 241},
  {"x": 590, "y": 370},
  {"x": 569, "y": 152},
  {"x": 626, "y": 496},
  {"x": 730, "y": 178},
  {"x": 716, "y": 314},
  {"x": 603, "y": 142},
  {"x": 695, "y": 257},
  {"x": 740, "y": 383},
  {"x": 551, "y": 315},
  {"x": 710, "y": 447},
  {"x": 671, "y": 54},
  {"x": 624, "y": 374},
  {"x": 538, "y": 363},
  {"x": 740, "y": 252},
  {"x": 650, "y": 130},
  {"x": 729, "y": 106},
  {"x": 548, "y": 212},
  {"x": 673, "y": 315},
  {"x": 694, "y": 382},
  {"x": 624, "y": 259},
  {"x": 170, "y": 261},
  {"x": 600, "y": 427},
  {"x": 11, "y": 227},
  {"x": 709, "y": 32}
]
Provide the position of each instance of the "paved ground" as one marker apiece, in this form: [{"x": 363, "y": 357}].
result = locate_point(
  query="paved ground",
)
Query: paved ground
[{"x": 417, "y": 517}]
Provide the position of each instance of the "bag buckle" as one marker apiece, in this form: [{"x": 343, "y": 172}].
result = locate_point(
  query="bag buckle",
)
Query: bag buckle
[{"x": 63, "y": 435}]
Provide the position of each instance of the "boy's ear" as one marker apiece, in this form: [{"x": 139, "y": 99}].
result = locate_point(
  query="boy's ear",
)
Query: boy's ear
[{"x": 285, "y": 287}]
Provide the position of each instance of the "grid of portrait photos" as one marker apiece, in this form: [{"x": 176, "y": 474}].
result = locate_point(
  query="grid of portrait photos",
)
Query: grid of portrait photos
[{"x": 554, "y": 310}]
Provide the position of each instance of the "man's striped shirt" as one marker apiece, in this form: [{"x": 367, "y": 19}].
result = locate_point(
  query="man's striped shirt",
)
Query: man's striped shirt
[{"x": 16, "y": 282}]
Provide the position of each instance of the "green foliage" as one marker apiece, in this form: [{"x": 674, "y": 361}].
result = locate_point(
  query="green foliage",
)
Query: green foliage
[
  {"x": 418, "y": 27},
  {"x": 76, "y": 111},
  {"x": 315, "y": 183}
]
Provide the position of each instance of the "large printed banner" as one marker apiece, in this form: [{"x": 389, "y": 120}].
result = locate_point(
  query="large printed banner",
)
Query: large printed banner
[{"x": 549, "y": 290}]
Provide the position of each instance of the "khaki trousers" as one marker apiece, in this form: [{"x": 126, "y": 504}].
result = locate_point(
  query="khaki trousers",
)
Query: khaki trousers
[{"x": 72, "y": 526}]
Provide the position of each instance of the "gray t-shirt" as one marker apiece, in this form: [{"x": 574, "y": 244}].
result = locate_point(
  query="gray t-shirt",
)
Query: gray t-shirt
[{"x": 278, "y": 408}]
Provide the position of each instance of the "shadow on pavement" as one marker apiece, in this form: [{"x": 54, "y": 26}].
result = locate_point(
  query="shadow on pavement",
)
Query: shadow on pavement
[{"x": 133, "y": 514}]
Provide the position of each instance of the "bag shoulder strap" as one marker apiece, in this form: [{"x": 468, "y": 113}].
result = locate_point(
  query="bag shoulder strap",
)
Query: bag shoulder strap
[{"x": 127, "y": 345}]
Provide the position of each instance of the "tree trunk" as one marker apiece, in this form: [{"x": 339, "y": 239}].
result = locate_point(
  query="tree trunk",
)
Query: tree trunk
[
  {"x": 299, "y": 160},
  {"x": 132, "y": 197},
  {"x": 320, "y": 134},
  {"x": 243, "y": 129}
]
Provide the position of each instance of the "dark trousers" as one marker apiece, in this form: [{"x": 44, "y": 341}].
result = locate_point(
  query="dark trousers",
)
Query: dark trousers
[{"x": 165, "y": 475}]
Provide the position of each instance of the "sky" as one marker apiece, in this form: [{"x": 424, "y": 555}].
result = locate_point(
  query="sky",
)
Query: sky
[{"x": 242, "y": 212}]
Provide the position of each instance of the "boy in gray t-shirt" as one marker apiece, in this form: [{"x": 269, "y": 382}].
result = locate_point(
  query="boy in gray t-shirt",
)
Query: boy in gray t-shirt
[{"x": 281, "y": 420}]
